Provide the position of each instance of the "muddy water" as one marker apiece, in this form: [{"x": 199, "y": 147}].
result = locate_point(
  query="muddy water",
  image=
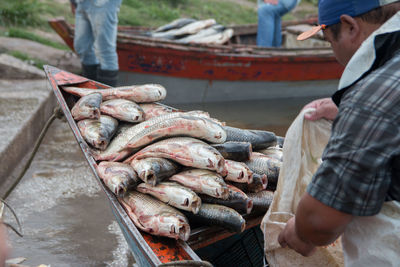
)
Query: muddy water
[
  {"x": 65, "y": 216},
  {"x": 274, "y": 115}
]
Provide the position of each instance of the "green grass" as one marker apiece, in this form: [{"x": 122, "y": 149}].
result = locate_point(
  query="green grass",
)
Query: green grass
[
  {"x": 32, "y": 61},
  {"x": 156, "y": 13},
  {"x": 24, "y": 34}
]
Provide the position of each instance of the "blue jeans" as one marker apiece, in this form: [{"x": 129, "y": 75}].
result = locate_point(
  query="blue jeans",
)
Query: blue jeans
[
  {"x": 269, "y": 22},
  {"x": 96, "y": 26}
]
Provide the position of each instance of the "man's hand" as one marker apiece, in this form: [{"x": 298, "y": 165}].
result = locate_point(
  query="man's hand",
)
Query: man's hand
[
  {"x": 289, "y": 238},
  {"x": 324, "y": 108},
  {"x": 272, "y": 2}
]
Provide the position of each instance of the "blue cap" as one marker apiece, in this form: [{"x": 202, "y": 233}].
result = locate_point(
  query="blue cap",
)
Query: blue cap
[{"x": 329, "y": 12}]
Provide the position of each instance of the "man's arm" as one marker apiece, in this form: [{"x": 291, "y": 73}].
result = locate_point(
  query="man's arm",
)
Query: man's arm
[{"x": 315, "y": 224}]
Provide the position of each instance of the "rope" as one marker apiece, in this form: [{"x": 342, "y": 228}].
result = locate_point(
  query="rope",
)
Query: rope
[
  {"x": 188, "y": 263},
  {"x": 57, "y": 113},
  {"x": 16, "y": 218}
]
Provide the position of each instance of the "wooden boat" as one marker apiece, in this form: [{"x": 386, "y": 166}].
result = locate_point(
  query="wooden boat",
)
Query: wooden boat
[
  {"x": 147, "y": 249},
  {"x": 238, "y": 70}
]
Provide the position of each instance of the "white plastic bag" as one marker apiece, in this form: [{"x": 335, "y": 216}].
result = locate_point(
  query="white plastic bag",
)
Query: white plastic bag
[{"x": 304, "y": 143}]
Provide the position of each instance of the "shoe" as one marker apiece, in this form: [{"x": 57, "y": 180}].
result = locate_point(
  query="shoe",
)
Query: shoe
[
  {"x": 109, "y": 77},
  {"x": 90, "y": 71}
]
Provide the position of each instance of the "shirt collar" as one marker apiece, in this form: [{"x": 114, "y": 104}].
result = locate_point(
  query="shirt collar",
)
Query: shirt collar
[{"x": 365, "y": 56}]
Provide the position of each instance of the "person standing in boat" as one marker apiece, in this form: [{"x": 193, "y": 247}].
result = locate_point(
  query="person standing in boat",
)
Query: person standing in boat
[
  {"x": 356, "y": 190},
  {"x": 96, "y": 26},
  {"x": 269, "y": 21}
]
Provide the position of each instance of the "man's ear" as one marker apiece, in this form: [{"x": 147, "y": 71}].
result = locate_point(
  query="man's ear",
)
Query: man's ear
[{"x": 350, "y": 27}]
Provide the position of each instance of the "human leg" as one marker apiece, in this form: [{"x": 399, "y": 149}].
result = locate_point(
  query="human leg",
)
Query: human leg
[
  {"x": 268, "y": 17},
  {"x": 84, "y": 42},
  {"x": 105, "y": 24}
]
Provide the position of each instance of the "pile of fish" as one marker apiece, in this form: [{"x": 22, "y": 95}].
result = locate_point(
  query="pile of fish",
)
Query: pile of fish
[
  {"x": 174, "y": 169},
  {"x": 188, "y": 30}
]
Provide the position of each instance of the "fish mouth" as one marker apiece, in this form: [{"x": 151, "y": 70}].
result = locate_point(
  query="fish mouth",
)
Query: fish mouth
[
  {"x": 120, "y": 190},
  {"x": 183, "y": 231},
  {"x": 264, "y": 180},
  {"x": 249, "y": 206},
  {"x": 195, "y": 206},
  {"x": 150, "y": 177}
]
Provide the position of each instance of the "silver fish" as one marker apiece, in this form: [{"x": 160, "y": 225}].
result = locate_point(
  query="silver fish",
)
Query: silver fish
[
  {"x": 137, "y": 93},
  {"x": 238, "y": 151},
  {"x": 87, "y": 107},
  {"x": 275, "y": 152},
  {"x": 173, "y": 194},
  {"x": 217, "y": 38},
  {"x": 154, "y": 170},
  {"x": 190, "y": 28},
  {"x": 155, "y": 109},
  {"x": 118, "y": 177},
  {"x": 237, "y": 200},
  {"x": 155, "y": 217},
  {"x": 238, "y": 172},
  {"x": 202, "y": 33},
  {"x": 261, "y": 200},
  {"x": 98, "y": 133},
  {"x": 259, "y": 183},
  {"x": 187, "y": 151},
  {"x": 118, "y": 150},
  {"x": 122, "y": 109},
  {"x": 178, "y": 23},
  {"x": 212, "y": 214},
  {"x": 259, "y": 139},
  {"x": 203, "y": 181},
  {"x": 182, "y": 125},
  {"x": 263, "y": 164}
]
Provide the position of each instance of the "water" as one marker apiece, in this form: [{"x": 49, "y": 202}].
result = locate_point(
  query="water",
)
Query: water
[{"x": 66, "y": 217}]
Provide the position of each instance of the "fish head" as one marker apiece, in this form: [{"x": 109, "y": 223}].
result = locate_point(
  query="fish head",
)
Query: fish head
[{"x": 173, "y": 225}]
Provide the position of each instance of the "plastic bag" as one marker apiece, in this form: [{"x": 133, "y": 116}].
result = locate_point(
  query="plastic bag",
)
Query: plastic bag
[{"x": 304, "y": 143}]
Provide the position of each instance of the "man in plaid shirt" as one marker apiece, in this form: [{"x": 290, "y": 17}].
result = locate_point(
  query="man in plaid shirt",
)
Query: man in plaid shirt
[{"x": 356, "y": 190}]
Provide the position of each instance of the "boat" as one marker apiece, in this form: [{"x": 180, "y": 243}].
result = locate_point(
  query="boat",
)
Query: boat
[
  {"x": 237, "y": 70},
  {"x": 147, "y": 249}
]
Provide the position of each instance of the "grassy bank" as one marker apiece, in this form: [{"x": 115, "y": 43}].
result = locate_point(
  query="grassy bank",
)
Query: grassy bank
[{"x": 23, "y": 18}]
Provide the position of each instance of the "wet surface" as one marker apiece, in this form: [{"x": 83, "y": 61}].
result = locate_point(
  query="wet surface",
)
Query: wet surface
[{"x": 65, "y": 216}]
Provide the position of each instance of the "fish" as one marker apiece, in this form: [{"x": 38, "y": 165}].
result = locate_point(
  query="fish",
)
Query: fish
[
  {"x": 259, "y": 139},
  {"x": 190, "y": 28},
  {"x": 173, "y": 194},
  {"x": 261, "y": 200},
  {"x": 98, "y": 133},
  {"x": 237, "y": 172},
  {"x": 260, "y": 182},
  {"x": 87, "y": 107},
  {"x": 155, "y": 217},
  {"x": 122, "y": 109},
  {"x": 202, "y": 33},
  {"x": 275, "y": 152},
  {"x": 118, "y": 150},
  {"x": 178, "y": 23},
  {"x": 136, "y": 93},
  {"x": 154, "y": 170},
  {"x": 155, "y": 109},
  {"x": 263, "y": 164},
  {"x": 217, "y": 38},
  {"x": 237, "y": 200},
  {"x": 202, "y": 181},
  {"x": 182, "y": 125},
  {"x": 213, "y": 214},
  {"x": 187, "y": 151},
  {"x": 118, "y": 177},
  {"x": 238, "y": 151}
]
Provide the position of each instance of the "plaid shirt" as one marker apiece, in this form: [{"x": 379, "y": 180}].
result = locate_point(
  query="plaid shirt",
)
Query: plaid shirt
[{"x": 361, "y": 163}]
